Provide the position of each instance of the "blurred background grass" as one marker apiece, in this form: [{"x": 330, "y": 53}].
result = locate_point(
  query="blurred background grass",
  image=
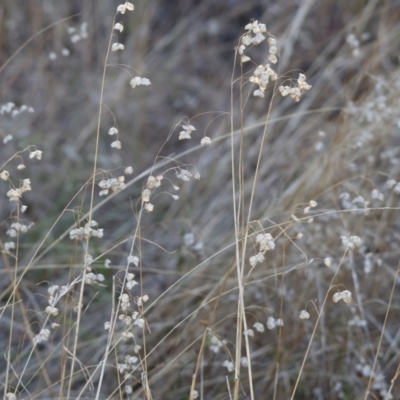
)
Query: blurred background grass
[{"x": 186, "y": 49}]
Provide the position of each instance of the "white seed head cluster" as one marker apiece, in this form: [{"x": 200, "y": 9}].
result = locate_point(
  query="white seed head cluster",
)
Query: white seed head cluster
[
  {"x": 327, "y": 261},
  {"x": 149, "y": 207},
  {"x": 295, "y": 92},
  {"x": 141, "y": 300},
  {"x": 4, "y": 175},
  {"x": 11, "y": 109},
  {"x": 64, "y": 51},
  {"x": 119, "y": 27},
  {"x": 7, "y": 138},
  {"x": 113, "y": 131},
  {"x": 54, "y": 294},
  {"x": 16, "y": 227},
  {"x": 229, "y": 365},
  {"x": 117, "y": 47},
  {"x": 345, "y": 296},
  {"x": 357, "y": 321},
  {"x": 126, "y": 318},
  {"x": 154, "y": 181},
  {"x": 377, "y": 195},
  {"x": 258, "y": 258},
  {"x": 266, "y": 242},
  {"x": 354, "y": 44},
  {"x": 36, "y": 154},
  {"x": 88, "y": 261},
  {"x": 9, "y": 245},
  {"x": 248, "y": 332},
  {"x": 133, "y": 260},
  {"x": 258, "y": 326},
  {"x": 273, "y": 49},
  {"x": 261, "y": 76},
  {"x": 123, "y": 8},
  {"x": 370, "y": 261},
  {"x": 273, "y": 323},
  {"x": 244, "y": 362},
  {"x": 304, "y": 314},
  {"x": 126, "y": 367},
  {"x": 52, "y": 310},
  {"x": 42, "y": 336},
  {"x": 138, "y": 81},
  {"x": 140, "y": 322},
  {"x": 113, "y": 184},
  {"x": 311, "y": 204},
  {"x": 124, "y": 301},
  {"x": 146, "y": 195},
  {"x": 358, "y": 204},
  {"x": 89, "y": 230},
  {"x": 77, "y": 35},
  {"x": 16, "y": 194},
  {"x": 205, "y": 141},
  {"x": 187, "y": 131},
  {"x": 254, "y": 36},
  {"x": 91, "y": 278},
  {"x": 351, "y": 242},
  {"x": 392, "y": 184},
  {"x": 116, "y": 145},
  {"x": 216, "y": 344},
  {"x": 130, "y": 282},
  {"x": 185, "y": 175}
]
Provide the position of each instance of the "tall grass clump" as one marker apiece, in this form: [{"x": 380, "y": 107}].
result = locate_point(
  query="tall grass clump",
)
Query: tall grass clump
[{"x": 197, "y": 207}]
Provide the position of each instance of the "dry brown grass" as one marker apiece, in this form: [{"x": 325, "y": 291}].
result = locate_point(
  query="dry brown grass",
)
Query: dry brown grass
[{"x": 187, "y": 52}]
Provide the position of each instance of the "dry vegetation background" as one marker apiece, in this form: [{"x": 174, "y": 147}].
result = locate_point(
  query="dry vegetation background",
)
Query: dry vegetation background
[{"x": 339, "y": 146}]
